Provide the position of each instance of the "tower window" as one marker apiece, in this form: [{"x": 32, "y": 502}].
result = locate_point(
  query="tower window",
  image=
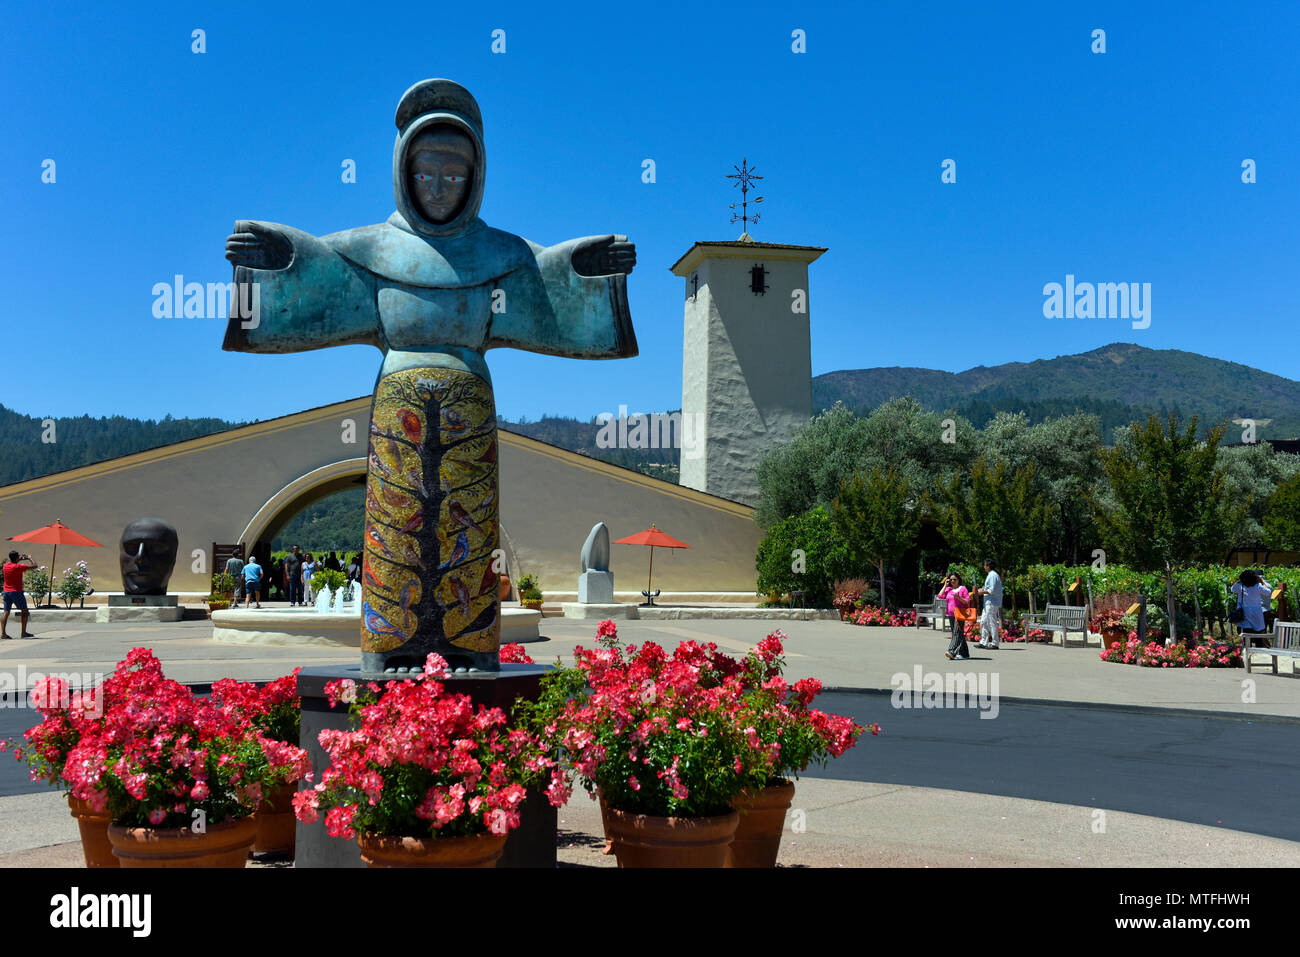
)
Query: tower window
[{"x": 758, "y": 280}]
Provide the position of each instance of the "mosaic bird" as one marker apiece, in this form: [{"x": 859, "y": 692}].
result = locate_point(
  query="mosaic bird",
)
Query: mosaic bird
[
  {"x": 395, "y": 498},
  {"x": 373, "y": 506},
  {"x": 413, "y": 556},
  {"x": 462, "y": 593},
  {"x": 379, "y": 625},
  {"x": 490, "y": 580},
  {"x": 489, "y": 454},
  {"x": 462, "y": 517},
  {"x": 415, "y": 522},
  {"x": 453, "y": 422},
  {"x": 489, "y": 498},
  {"x": 405, "y": 595},
  {"x": 378, "y": 466},
  {"x": 410, "y": 425},
  {"x": 459, "y": 553},
  {"x": 371, "y": 580},
  {"x": 413, "y": 476},
  {"x": 373, "y": 538}
]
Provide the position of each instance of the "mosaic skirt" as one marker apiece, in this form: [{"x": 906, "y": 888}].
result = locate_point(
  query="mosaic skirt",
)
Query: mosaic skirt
[{"x": 429, "y": 580}]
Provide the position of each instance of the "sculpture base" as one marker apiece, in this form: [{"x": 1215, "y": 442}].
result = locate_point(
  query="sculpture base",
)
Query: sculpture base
[
  {"x": 596, "y": 588},
  {"x": 140, "y": 608},
  {"x": 532, "y": 844}
]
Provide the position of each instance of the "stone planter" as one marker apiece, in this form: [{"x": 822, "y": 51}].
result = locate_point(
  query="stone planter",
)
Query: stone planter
[
  {"x": 93, "y": 826},
  {"x": 222, "y": 845},
  {"x": 276, "y": 825},
  {"x": 482, "y": 850},
  {"x": 762, "y": 821},
  {"x": 641, "y": 840}
]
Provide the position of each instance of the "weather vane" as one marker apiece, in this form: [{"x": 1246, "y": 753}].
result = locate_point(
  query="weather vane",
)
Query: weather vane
[{"x": 744, "y": 175}]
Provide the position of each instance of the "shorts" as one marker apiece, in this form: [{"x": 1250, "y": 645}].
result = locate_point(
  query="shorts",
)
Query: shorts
[
  {"x": 15, "y": 599},
  {"x": 253, "y": 589}
]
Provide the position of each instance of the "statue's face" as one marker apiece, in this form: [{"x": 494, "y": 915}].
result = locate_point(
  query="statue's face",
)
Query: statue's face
[
  {"x": 440, "y": 172},
  {"x": 147, "y": 557}
]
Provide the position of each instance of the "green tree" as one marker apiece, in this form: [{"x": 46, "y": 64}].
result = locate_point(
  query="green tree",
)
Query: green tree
[
  {"x": 1282, "y": 516},
  {"x": 877, "y": 519},
  {"x": 802, "y": 552},
  {"x": 997, "y": 514},
  {"x": 1173, "y": 500}
]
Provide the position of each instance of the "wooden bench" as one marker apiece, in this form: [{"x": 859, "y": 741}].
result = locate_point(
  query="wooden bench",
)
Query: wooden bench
[
  {"x": 1060, "y": 619},
  {"x": 1284, "y": 642},
  {"x": 936, "y": 612}
]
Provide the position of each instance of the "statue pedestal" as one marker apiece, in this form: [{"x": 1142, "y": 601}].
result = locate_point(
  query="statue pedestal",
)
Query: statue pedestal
[
  {"x": 596, "y": 588},
  {"x": 532, "y": 844},
  {"x": 140, "y": 608}
]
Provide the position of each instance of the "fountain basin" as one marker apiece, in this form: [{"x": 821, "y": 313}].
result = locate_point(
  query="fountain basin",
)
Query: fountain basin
[{"x": 264, "y": 626}]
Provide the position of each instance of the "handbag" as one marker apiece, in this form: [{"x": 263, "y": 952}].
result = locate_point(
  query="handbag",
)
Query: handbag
[
  {"x": 1238, "y": 614},
  {"x": 965, "y": 614}
]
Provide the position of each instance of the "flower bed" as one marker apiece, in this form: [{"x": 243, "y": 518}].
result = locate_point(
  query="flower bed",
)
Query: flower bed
[
  {"x": 872, "y": 615},
  {"x": 1155, "y": 654}
]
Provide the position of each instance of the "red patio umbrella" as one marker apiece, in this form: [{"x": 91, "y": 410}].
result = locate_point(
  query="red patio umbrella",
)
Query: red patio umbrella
[
  {"x": 56, "y": 535},
  {"x": 652, "y": 537}
]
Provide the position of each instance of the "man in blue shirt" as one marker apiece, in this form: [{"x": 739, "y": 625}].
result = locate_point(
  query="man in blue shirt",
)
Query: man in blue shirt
[
  {"x": 253, "y": 582},
  {"x": 990, "y": 621}
]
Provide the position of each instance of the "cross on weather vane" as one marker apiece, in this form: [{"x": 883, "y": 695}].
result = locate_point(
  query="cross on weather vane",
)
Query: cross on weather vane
[{"x": 743, "y": 176}]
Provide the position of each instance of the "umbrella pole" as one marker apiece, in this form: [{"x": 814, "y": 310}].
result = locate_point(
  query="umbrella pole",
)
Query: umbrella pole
[
  {"x": 649, "y": 596},
  {"x": 49, "y": 597}
]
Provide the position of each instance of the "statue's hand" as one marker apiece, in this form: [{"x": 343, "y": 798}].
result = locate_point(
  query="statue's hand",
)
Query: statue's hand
[
  {"x": 604, "y": 256},
  {"x": 258, "y": 246}
]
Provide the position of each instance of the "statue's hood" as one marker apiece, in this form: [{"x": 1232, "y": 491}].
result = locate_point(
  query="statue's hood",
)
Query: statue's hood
[{"x": 430, "y": 103}]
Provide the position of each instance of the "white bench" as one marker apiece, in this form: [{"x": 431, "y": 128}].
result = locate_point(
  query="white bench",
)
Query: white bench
[
  {"x": 935, "y": 613},
  {"x": 1284, "y": 642},
  {"x": 1060, "y": 620}
]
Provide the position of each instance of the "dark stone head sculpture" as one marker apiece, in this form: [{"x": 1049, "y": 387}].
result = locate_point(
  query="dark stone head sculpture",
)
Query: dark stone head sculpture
[{"x": 148, "y": 555}]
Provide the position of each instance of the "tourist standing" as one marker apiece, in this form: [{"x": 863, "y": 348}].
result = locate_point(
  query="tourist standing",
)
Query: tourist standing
[
  {"x": 1251, "y": 592},
  {"x": 253, "y": 581},
  {"x": 308, "y": 571},
  {"x": 14, "y": 594},
  {"x": 354, "y": 569},
  {"x": 235, "y": 569},
  {"x": 332, "y": 563},
  {"x": 293, "y": 576},
  {"x": 990, "y": 621},
  {"x": 958, "y": 599}
]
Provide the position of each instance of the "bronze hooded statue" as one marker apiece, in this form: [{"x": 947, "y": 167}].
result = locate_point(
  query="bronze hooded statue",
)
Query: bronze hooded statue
[{"x": 434, "y": 287}]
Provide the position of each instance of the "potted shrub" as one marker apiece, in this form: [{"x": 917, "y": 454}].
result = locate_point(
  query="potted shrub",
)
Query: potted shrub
[
  {"x": 529, "y": 594},
  {"x": 790, "y": 735},
  {"x": 424, "y": 780},
  {"x": 661, "y": 738},
  {"x": 177, "y": 780},
  {"x": 1109, "y": 623},
  {"x": 274, "y": 711}
]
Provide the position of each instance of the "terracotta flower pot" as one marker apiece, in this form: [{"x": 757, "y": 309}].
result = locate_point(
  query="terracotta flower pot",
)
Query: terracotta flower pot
[
  {"x": 481, "y": 850},
  {"x": 223, "y": 845},
  {"x": 276, "y": 825},
  {"x": 505, "y": 588},
  {"x": 93, "y": 826},
  {"x": 762, "y": 821},
  {"x": 641, "y": 840}
]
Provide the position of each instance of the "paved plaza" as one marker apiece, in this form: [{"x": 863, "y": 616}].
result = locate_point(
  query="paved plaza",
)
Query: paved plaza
[{"x": 844, "y": 817}]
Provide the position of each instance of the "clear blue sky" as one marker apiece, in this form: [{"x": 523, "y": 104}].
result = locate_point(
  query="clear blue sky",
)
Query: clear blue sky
[{"x": 1123, "y": 166}]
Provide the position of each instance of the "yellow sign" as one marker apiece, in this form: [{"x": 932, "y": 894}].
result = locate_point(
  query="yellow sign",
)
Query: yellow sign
[
  {"x": 1074, "y": 586},
  {"x": 1133, "y": 608},
  {"x": 1276, "y": 592}
]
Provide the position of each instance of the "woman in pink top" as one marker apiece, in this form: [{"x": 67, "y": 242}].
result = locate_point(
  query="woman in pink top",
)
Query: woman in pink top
[{"x": 958, "y": 597}]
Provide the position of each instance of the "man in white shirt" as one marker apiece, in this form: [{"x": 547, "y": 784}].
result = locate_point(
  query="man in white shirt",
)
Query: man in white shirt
[{"x": 990, "y": 620}]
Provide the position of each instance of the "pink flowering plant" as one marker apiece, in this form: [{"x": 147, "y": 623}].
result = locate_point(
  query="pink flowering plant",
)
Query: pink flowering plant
[
  {"x": 780, "y": 718},
  {"x": 1156, "y": 654},
  {"x": 272, "y": 710},
  {"x": 681, "y": 735},
  {"x": 150, "y": 752},
  {"x": 423, "y": 763},
  {"x": 873, "y": 615}
]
